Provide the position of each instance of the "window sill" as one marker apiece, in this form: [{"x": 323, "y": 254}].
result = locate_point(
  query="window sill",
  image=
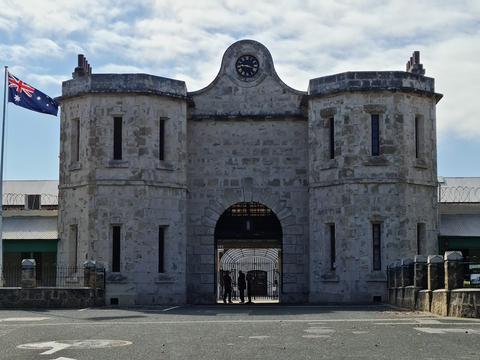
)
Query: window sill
[
  {"x": 329, "y": 164},
  {"x": 330, "y": 277},
  {"x": 117, "y": 164},
  {"x": 116, "y": 278},
  {"x": 376, "y": 276},
  {"x": 379, "y": 160},
  {"x": 164, "y": 279},
  {"x": 74, "y": 166},
  {"x": 420, "y": 164},
  {"x": 163, "y": 165}
]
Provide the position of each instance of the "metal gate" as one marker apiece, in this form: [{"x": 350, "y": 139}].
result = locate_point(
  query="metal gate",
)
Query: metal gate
[{"x": 262, "y": 265}]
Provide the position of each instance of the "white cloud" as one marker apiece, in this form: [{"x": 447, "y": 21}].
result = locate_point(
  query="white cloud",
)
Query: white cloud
[
  {"x": 185, "y": 39},
  {"x": 119, "y": 68}
]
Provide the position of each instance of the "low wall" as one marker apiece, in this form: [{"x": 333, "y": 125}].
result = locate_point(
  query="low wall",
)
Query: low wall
[
  {"x": 439, "y": 304},
  {"x": 399, "y": 296},
  {"x": 50, "y": 297},
  {"x": 464, "y": 303},
  {"x": 409, "y": 297},
  {"x": 424, "y": 299}
]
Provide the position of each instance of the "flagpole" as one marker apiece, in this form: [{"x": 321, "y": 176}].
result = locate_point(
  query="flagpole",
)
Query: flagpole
[{"x": 1, "y": 174}]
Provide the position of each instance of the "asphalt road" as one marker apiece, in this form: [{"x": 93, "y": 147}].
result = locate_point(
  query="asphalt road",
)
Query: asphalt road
[{"x": 236, "y": 332}]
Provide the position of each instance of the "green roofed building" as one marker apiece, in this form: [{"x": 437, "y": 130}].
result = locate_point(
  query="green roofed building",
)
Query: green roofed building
[
  {"x": 29, "y": 228},
  {"x": 459, "y": 211}
]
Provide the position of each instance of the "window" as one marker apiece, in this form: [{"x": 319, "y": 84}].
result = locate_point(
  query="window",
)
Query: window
[
  {"x": 331, "y": 128},
  {"x": 75, "y": 140},
  {"x": 116, "y": 234},
  {"x": 161, "y": 249},
  {"x": 376, "y": 237},
  {"x": 420, "y": 238},
  {"x": 117, "y": 138},
  {"x": 333, "y": 264},
  {"x": 32, "y": 202},
  {"x": 418, "y": 136},
  {"x": 73, "y": 247},
  {"x": 161, "y": 140},
  {"x": 375, "y": 134}
]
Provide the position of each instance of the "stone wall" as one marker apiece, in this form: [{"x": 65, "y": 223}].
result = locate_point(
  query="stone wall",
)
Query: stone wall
[
  {"x": 355, "y": 189},
  {"x": 140, "y": 192},
  {"x": 42, "y": 298},
  {"x": 242, "y": 139},
  {"x": 445, "y": 295},
  {"x": 464, "y": 303},
  {"x": 247, "y": 142}
]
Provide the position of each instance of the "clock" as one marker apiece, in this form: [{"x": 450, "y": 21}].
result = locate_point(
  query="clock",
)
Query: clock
[{"x": 247, "y": 66}]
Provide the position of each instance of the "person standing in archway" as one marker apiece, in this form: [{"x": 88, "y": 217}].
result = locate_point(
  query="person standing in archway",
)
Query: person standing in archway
[
  {"x": 227, "y": 288},
  {"x": 242, "y": 284},
  {"x": 250, "y": 279}
]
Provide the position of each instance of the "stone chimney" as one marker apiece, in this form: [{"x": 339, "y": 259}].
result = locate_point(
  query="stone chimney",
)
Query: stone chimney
[
  {"x": 414, "y": 66},
  {"x": 83, "y": 68}
]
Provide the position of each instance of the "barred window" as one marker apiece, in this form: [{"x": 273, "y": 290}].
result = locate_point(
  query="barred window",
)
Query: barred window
[
  {"x": 161, "y": 249},
  {"x": 333, "y": 264},
  {"x": 116, "y": 240},
  {"x": 375, "y": 134},
  {"x": 331, "y": 129},
  {"x": 117, "y": 138},
  {"x": 376, "y": 240}
]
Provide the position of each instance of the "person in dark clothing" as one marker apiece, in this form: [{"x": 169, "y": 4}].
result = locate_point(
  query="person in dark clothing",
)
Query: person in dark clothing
[
  {"x": 242, "y": 284},
  {"x": 250, "y": 280},
  {"x": 227, "y": 288}
]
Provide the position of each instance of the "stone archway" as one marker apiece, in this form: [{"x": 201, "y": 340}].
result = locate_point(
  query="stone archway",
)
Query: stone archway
[
  {"x": 248, "y": 238},
  {"x": 201, "y": 280}
]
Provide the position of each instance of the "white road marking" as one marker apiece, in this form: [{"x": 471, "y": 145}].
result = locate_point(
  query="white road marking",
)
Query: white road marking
[
  {"x": 310, "y": 336},
  {"x": 170, "y": 308},
  {"x": 259, "y": 337},
  {"x": 449, "y": 330},
  {"x": 360, "y": 332},
  {"x": 83, "y": 309},
  {"x": 5, "y": 332},
  {"x": 319, "y": 330},
  {"x": 56, "y": 346},
  {"x": 398, "y": 323},
  {"x": 428, "y": 321},
  {"x": 64, "y": 358},
  {"x": 230, "y": 321},
  {"x": 24, "y": 319}
]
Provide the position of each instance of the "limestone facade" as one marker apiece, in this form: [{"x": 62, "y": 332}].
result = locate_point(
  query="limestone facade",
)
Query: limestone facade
[{"x": 242, "y": 139}]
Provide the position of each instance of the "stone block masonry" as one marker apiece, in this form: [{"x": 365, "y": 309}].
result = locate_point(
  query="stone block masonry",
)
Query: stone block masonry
[
  {"x": 247, "y": 137},
  {"x": 445, "y": 298}
]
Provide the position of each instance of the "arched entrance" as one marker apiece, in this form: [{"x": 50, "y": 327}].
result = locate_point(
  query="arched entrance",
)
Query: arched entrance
[{"x": 248, "y": 237}]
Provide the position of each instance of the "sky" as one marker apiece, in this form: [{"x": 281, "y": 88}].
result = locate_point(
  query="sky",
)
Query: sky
[{"x": 185, "y": 40}]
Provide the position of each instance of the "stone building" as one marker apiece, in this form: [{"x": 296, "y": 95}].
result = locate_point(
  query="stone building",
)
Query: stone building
[
  {"x": 459, "y": 212},
  {"x": 314, "y": 192},
  {"x": 29, "y": 229}
]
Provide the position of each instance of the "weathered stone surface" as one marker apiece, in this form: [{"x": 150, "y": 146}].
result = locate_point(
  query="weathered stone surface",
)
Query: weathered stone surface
[
  {"x": 464, "y": 303},
  {"x": 424, "y": 299},
  {"x": 410, "y": 297},
  {"x": 436, "y": 273},
  {"x": 439, "y": 304},
  {"x": 420, "y": 272},
  {"x": 454, "y": 270},
  {"x": 39, "y": 298},
  {"x": 240, "y": 140},
  {"x": 29, "y": 277}
]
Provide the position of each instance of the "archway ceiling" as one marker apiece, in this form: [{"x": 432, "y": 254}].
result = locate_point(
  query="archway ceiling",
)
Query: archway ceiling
[{"x": 234, "y": 255}]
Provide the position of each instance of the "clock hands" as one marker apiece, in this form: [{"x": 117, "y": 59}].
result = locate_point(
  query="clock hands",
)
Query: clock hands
[{"x": 245, "y": 66}]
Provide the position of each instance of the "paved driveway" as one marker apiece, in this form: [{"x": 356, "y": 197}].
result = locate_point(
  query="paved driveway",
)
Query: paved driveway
[{"x": 236, "y": 332}]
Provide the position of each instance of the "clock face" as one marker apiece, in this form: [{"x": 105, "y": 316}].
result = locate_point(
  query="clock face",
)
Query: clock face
[{"x": 247, "y": 66}]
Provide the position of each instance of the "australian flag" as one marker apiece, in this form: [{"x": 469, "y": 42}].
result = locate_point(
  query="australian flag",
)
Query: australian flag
[{"x": 27, "y": 96}]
